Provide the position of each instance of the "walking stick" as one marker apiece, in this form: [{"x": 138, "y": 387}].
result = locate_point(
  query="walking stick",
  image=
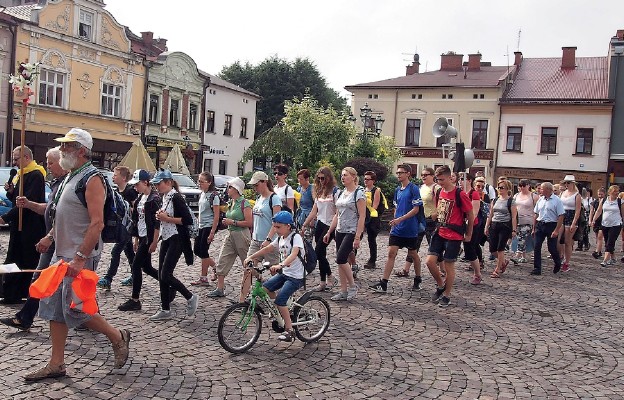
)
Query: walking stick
[{"x": 21, "y": 172}]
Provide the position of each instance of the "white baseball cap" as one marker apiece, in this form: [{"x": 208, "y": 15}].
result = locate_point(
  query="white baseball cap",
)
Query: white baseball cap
[{"x": 77, "y": 135}]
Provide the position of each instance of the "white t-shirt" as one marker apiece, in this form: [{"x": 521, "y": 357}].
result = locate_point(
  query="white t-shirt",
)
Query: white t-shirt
[
  {"x": 285, "y": 192},
  {"x": 295, "y": 270},
  {"x": 610, "y": 213},
  {"x": 141, "y": 225}
]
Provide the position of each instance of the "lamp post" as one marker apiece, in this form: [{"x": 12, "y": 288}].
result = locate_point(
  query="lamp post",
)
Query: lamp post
[{"x": 371, "y": 127}]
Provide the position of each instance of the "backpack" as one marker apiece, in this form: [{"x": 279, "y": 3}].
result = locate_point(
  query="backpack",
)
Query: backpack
[
  {"x": 222, "y": 201},
  {"x": 461, "y": 229},
  {"x": 383, "y": 203},
  {"x": 117, "y": 214},
  {"x": 193, "y": 228},
  {"x": 420, "y": 216},
  {"x": 309, "y": 260},
  {"x": 483, "y": 213}
]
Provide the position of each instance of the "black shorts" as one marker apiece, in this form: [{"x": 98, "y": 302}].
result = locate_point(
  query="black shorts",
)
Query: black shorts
[
  {"x": 344, "y": 246},
  {"x": 499, "y": 234},
  {"x": 446, "y": 249},
  {"x": 410, "y": 243},
  {"x": 201, "y": 245}
]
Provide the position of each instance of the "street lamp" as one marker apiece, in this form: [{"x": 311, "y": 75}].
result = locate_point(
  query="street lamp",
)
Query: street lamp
[{"x": 371, "y": 127}]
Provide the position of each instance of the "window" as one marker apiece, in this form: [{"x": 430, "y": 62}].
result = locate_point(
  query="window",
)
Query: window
[
  {"x": 412, "y": 132},
  {"x": 584, "y": 140},
  {"x": 475, "y": 96},
  {"x": 479, "y": 134},
  {"x": 111, "y": 100},
  {"x": 210, "y": 121},
  {"x": 192, "y": 122},
  {"x": 227, "y": 129},
  {"x": 514, "y": 138},
  {"x": 482, "y": 96},
  {"x": 222, "y": 167},
  {"x": 51, "y": 85},
  {"x": 153, "y": 108},
  {"x": 419, "y": 96},
  {"x": 85, "y": 25},
  {"x": 243, "y": 131},
  {"x": 208, "y": 164},
  {"x": 241, "y": 169},
  {"x": 450, "y": 96},
  {"x": 549, "y": 140},
  {"x": 444, "y": 96},
  {"x": 444, "y": 139},
  {"x": 173, "y": 112}
]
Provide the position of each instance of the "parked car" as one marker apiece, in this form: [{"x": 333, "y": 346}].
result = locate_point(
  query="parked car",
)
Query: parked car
[
  {"x": 189, "y": 189},
  {"x": 5, "y": 173}
]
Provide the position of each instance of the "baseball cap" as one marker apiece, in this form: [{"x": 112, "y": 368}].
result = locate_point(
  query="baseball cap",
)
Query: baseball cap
[
  {"x": 139, "y": 175},
  {"x": 283, "y": 217},
  {"x": 257, "y": 177},
  {"x": 160, "y": 175},
  {"x": 77, "y": 135}
]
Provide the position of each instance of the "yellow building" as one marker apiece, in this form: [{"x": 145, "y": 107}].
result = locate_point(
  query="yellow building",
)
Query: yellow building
[{"x": 89, "y": 78}]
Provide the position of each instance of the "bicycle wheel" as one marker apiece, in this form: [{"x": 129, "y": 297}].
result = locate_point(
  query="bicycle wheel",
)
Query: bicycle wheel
[
  {"x": 312, "y": 318},
  {"x": 239, "y": 329}
]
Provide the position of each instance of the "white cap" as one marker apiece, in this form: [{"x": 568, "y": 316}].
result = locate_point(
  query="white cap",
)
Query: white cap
[{"x": 77, "y": 135}]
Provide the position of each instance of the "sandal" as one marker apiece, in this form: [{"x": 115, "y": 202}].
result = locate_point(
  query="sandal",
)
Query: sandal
[
  {"x": 402, "y": 273},
  {"x": 495, "y": 275},
  {"x": 504, "y": 267}
]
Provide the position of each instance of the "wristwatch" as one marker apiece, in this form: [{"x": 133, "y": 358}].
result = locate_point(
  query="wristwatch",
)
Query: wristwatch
[
  {"x": 49, "y": 236},
  {"x": 268, "y": 239}
]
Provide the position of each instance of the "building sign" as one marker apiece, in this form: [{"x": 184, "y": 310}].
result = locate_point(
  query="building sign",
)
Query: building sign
[
  {"x": 151, "y": 140},
  {"x": 550, "y": 175},
  {"x": 181, "y": 143},
  {"x": 437, "y": 153}
]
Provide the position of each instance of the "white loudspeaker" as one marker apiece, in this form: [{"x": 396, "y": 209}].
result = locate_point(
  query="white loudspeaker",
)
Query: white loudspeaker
[
  {"x": 469, "y": 157},
  {"x": 441, "y": 128}
]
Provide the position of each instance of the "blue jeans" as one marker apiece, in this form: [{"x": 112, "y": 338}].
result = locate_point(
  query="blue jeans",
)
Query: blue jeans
[
  {"x": 286, "y": 286},
  {"x": 116, "y": 258},
  {"x": 543, "y": 231}
]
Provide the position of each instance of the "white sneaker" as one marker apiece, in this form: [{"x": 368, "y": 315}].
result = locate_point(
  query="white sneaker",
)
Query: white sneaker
[
  {"x": 342, "y": 296},
  {"x": 352, "y": 292},
  {"x": 161, "y": 315},
  {"x": 191, "y": 305}
]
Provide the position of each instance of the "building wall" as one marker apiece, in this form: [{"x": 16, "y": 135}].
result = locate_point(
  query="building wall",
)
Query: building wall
[
  {"x": 397, "y": 106},
  {"x": 6, "y": 69},
  {"x": 86, "y": 65}
]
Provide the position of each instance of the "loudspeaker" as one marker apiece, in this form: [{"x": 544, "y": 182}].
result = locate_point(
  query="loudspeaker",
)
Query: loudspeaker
[
  {"x": 469, "y": 157},
  {"x": 441, "y": 127},
  {"x": 460, "y": 162}
]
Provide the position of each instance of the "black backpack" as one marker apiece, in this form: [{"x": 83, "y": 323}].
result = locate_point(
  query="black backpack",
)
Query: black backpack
[
  {"x": 117, "y": 215},
  {"x": 285, "y": 204},
  {"x": 222, "y": 201},
  {"x": 310, "y": 259}
]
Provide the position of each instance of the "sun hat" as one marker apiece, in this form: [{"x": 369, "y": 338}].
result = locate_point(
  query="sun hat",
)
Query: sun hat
[
  {"x": 238, "y": 184},
  {"x": 569, "y": 178}
]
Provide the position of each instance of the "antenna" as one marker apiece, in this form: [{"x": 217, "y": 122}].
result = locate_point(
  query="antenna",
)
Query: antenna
[{"x": 519, "y": 33}]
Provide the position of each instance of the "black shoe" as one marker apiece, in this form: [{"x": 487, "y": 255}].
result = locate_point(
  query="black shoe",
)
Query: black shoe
[
  {"x": 379, "y": 287},
  {"x": 536, "y": 272},
  {"x": 444, "y": 301},
  {"x": 556, "y": 269},
  {"x": 370, "y": 265},
  {"x": 15, "y": 323},
  {"x": 435, "y": 297},
  {"x": 130, "y": 305},
  {"x": 596, "y": 255},
  {"x": 578, "y": 249}
]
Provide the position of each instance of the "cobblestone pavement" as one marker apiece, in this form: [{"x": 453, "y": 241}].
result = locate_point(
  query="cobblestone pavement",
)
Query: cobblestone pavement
[{"x": 552, "y": 336}]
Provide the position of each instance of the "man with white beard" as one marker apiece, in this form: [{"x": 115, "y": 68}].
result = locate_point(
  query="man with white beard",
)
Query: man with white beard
[{"x": 76, "y": 233}]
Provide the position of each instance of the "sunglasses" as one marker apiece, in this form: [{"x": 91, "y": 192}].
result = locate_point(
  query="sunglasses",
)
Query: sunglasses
[
  {"x": 479, "y": 186},
  {"x": 502, "y": 188},
  {"x": 320, "y": 178},
  {"x": 278, "y": 173},
  {"x": 368, "y": 179},
  {"x": 425, "y": 174},
  {"x": 522, "y": 184}
]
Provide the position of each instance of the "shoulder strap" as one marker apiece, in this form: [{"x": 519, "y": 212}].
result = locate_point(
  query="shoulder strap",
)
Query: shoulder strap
[
  {"x": 509, "y": 201},
  {"x": 271, "y": 202},
  {"x": 619, "y": 203}
]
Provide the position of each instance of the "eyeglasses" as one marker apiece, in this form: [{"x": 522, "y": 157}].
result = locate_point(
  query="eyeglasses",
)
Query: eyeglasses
[
  {"x": 320, "y": 178},
  {"x": 202, "y": 181},
  {"x": 70, "y": 145},
  {"x": 401, "y": 172},
  {"x": 425, "y": 174},
  {"x": 368, "y": 179},
  {"x": 522, "y": 184},
  {"x": 479, "y": 186},
  {"x": 278, "y": 173}
]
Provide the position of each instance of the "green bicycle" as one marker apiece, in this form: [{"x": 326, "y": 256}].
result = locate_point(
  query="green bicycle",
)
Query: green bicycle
[{"x": 241, "y": 324}]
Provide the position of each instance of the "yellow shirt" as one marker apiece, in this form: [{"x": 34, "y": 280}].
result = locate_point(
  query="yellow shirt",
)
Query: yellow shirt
[{"x": 427, "y": 194}]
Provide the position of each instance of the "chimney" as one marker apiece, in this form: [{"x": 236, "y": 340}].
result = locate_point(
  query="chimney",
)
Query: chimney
[
  {"x": 474, "y": 62},
  {"x": 148, "y": 37},
  {"x": 451, "y": 61},
  {"x": 518, "y": 59},
  {"x": 414, "y": 68},
  {"x": 568, "y": 61}
]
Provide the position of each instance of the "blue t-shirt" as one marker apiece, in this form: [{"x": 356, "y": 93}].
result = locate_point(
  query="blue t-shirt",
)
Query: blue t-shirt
[
  {"x": 262, "y": 217},
  {"x": 405, "y": 199},
  {"x": 206, "y": 212}
]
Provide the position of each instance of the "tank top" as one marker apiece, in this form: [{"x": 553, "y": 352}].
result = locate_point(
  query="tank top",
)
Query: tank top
[
  {"x": 569, "y": 203},
  {"x": 71, "y": 218},
  {"x": 326, "y": 209},
  {"x": 525, "y": 209}
]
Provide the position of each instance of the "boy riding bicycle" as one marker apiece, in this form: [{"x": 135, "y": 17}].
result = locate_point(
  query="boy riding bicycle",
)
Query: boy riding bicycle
[{"x": 291, "y": 277}]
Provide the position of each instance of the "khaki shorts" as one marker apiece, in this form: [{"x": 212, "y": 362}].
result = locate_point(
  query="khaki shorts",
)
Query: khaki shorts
[
  {"x": 273, "y": 257},
  {"x": 236, "y": 244}
]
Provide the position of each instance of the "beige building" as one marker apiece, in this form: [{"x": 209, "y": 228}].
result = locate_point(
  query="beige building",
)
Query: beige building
[
  {"x": 466, "y": 93},
  {"x": 89, "y": 77}
]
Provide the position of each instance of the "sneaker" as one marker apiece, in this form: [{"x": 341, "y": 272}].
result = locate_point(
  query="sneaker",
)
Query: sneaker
[
  {"x": 476, "y": 280},
  {"x": 597, "y": 255},
  {"x": 46, "y": 372},
  {"x": 604, "y": 264},
  {"x": 127, "y": 281},
  {"x": 287, "y": 336},
  {"x": 201, "y": 282},
  {"x": 355, "y": 269},
  {"x": 216, "y": 293},
  {"x": 104, "y": 283},
  {"x": 379, "y": 287},
  {"x": 15, "y": 323},
  {"x": 537, "y": 272},
  {"x": 161, "y": 315},
  {"x": 565, "y": 267},
  {"x": 444, "y": 301},
  {"x": 191, "y": 305},
  {"x": 352, "y": 292},
  {"x": 556, "y": 269},
  {"x": 515, "y": 261},
  {"x": 130, "y": 305},
  {"x": 522, "y": 260},
  {"x": 611, "y": 261},
  {"x": 435, "y": 297},
  {"x": 417, "y": 287},
  {"x": 370, "y": 265},
  {"x": 122, "y": 348},
  {"x": 321, "y": 287},
  {"x": 342, "y": 296}
]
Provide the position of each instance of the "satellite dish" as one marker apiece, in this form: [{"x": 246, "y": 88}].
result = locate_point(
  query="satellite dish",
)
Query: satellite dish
[
  {"x": 441, "y": 128},
  {"x": 469, "y": 157}
]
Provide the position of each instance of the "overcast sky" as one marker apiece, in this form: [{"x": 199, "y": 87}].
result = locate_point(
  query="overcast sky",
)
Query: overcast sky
[{"x": 358, "y": 41}]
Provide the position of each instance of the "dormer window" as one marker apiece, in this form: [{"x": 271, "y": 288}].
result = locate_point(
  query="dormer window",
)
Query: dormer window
[{"x": 85, "y": 25}]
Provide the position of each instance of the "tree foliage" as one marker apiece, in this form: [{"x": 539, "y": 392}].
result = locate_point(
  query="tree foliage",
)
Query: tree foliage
[{"x": 277, "y": 81}]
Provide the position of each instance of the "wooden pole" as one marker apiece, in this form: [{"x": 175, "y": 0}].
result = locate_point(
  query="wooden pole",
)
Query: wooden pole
[{"x": 21, "y": 173}]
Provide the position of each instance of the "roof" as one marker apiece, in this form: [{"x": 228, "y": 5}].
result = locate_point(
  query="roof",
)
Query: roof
[
  {"x": 543, "y": 80},
  {"x": 485, "y": 77},
  {"x": 21, "y": 12},
  {"x": 214, "y": 80}
]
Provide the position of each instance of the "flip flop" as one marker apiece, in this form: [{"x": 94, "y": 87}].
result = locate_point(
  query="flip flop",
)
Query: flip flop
[
  {"x": 495, "y": 275},
  {"x": 504, "y": 267}
]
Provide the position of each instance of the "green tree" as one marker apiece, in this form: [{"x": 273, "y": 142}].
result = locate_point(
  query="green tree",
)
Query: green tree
[
  {"x": 277, "y": 80},
  {"x": 308, "y": 136}
]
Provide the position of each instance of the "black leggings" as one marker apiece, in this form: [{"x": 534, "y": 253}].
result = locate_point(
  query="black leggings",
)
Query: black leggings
[
  {"x": 372, "y": 230},
  {"x": 142, "y": 263},
  {"x": 170, "y": 252},
  {"x": 611, "y": 234},
  {"x": 321, "y": 249}
]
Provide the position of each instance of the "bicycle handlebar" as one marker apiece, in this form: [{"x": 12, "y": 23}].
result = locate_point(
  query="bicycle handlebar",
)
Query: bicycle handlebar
[{"x": 265, "y": 266}]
